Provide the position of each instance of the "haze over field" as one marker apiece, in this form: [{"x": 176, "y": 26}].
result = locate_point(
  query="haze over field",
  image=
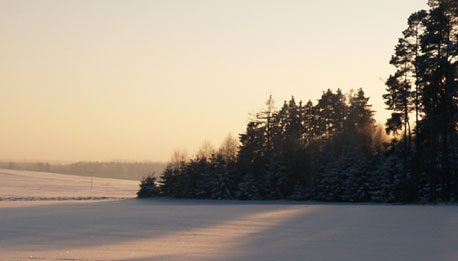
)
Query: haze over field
[
  {"x": 112, "y": 169},
  {"x": 85, "y": 80}
]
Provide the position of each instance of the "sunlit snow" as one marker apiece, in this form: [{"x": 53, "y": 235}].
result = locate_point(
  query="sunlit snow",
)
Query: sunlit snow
[{"x": 45, "y": 216}]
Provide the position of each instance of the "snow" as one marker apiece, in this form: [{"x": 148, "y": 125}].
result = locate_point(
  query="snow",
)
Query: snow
[
  {"x": 49, "y": 216},
  {"x": 20, "y": 185}
]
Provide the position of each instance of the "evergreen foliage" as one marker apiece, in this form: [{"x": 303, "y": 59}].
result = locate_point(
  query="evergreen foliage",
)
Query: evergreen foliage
[
  {"x": 426, "y": 60},
  {"x": 296, "y": 152},
  {"x": 333, "y": 150},
  {"x": 148, "y": 187}
]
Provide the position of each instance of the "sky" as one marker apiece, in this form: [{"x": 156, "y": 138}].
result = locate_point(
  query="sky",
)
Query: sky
[{"x": 135, "y": 80}]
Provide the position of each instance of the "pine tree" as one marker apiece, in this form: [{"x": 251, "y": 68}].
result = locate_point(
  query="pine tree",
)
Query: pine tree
[
  {"x": 437, "y": 76},
  {"x": 332, "y": 110},
  {"x": 359, "y": 123},
  {"x": 272, "y": 179},
  {"x": 426, "y": 58},
  {"x": 309, "y": 123},
  {"x": 148, "y": 187},
  {"x": 399, "y": 95},
  {"x": 222, "y": 184},
  {"x": 412, "y": 37}
]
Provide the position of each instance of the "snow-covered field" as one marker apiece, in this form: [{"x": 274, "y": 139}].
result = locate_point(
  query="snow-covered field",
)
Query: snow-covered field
[{"x": 45, "y": 216}]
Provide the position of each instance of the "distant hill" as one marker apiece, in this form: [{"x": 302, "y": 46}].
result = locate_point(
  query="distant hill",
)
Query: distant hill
[{"x": 110, "y": 169}]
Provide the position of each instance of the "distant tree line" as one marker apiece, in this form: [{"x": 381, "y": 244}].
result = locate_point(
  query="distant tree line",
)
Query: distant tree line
[
  {"x": 333, "y": 150},
  {"x": 109, "y": 169}
]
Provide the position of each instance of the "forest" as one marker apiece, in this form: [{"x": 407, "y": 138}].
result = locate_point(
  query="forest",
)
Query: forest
[
  {"x": 106, "y": 169},
  {"x": 333, "y": 150}
]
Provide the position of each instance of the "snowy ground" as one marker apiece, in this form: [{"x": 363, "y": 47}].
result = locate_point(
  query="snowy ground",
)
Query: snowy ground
[{"x": 46, "y": 216}]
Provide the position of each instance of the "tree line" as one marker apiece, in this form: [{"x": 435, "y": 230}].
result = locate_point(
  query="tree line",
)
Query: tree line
[
  {"x": 108, "y": 169},
  {"x": 424, "y": 92},
  {"x": 333, "y": 150},
  {"x": 284, "y": 153}
]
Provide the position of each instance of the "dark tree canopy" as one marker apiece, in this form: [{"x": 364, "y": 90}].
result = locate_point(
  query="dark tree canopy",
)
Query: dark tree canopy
[{"x": 333, "y": 150}]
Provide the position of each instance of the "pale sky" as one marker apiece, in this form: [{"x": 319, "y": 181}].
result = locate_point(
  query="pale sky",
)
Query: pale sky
[{"x": 135, "y": 80}]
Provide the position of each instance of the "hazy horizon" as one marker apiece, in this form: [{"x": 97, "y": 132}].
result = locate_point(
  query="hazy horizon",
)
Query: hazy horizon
[{"x": 135, "y": 80}]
